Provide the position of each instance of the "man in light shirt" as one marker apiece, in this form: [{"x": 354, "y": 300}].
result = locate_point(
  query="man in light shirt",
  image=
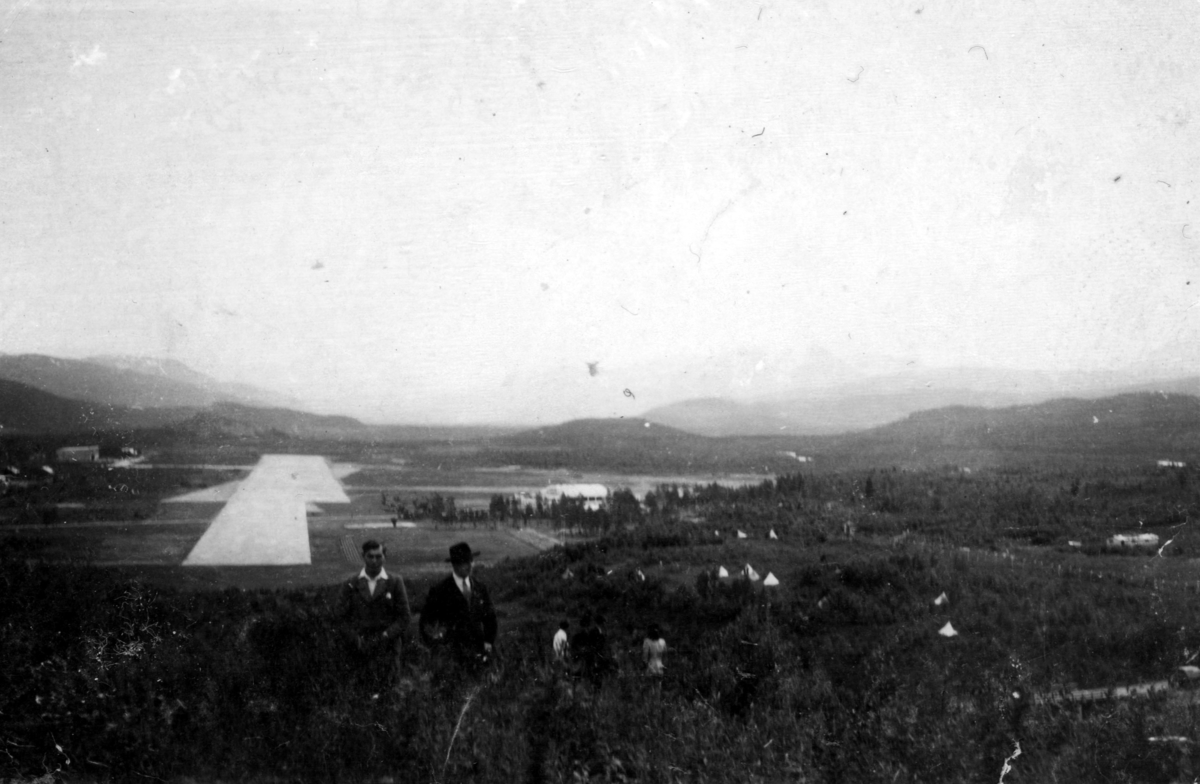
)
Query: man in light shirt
[
  {"x": 375, "y": 613},
  {"x": 458, "y": 613}
]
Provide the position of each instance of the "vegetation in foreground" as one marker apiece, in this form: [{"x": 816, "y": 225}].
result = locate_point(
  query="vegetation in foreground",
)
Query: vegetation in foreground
[{"x": 837, "y": 675}]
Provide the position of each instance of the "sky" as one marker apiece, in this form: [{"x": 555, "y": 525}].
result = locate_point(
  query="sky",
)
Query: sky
[{"x": 444, "y": 213}]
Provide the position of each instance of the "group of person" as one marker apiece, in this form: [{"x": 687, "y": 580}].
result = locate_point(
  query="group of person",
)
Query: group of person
[
  {"x": 458, "y": 622},
  {"x": 588, "y": 652}
]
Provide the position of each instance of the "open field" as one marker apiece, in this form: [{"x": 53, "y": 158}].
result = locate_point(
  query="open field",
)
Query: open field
[
  {"x": 145, "y": 668},
  {"x": 147, "y": 518}
]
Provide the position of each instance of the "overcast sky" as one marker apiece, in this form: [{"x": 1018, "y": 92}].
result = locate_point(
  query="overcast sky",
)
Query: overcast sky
[{"x": 443, "y": 212}]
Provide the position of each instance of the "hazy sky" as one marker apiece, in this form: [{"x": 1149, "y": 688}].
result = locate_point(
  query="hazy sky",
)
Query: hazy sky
[{"x": 443, "y": 211}]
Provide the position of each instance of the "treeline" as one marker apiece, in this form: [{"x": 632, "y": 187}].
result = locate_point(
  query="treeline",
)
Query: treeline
[{"x": 983, "y": 508}]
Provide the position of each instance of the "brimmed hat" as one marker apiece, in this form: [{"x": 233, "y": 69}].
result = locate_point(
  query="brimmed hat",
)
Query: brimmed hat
[{"x": 461, "y": 553}]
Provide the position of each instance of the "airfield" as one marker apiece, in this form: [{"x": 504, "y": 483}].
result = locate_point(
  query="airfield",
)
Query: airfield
[{"x": 291, "y": 521}]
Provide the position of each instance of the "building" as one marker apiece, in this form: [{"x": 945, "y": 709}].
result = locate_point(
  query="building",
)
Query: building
[
  {"x": 78, "y": 454},
  {"x": 594, "y": 497},
  {"x": 1133, "y": 540}
]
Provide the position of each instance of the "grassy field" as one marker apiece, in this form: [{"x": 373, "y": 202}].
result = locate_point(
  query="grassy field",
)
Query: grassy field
[
  {"x": 837, "y": 675},
  {"x": 148, "y": 670}
]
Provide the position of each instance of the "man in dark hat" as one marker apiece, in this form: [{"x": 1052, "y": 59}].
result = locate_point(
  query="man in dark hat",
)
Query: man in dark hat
[{"x": 458, "y": 612}]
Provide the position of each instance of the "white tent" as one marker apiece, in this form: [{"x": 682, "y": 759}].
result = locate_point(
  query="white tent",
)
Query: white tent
[
  {"x": 722, "y": 572},
  {"x": 771, "y": 580},
  {"x": 741, "y": 534},
  {"x": 772, "y": 535},
  {"x": 942, "y": 599},
  {"x": 750, "y": 574},
  {"x": 947, "y": 631},
  {"x": 640, "y": 575}
]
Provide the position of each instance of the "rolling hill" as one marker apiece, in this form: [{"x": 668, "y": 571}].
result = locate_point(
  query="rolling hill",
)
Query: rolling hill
[
  {"x": 130, "y": 382},
  {"x": 1139, "y": 426},
  {"x": 26, "y": 410},
  {"x": 638, "y": 445},
  {"x": 1132, "y": 427},
  {"x": 871, "y": 402}
]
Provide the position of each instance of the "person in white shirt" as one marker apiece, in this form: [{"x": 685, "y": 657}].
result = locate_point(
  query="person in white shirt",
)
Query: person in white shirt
[
  {"x": 562, "y": 646},
  {"x": 374, "y": 610}
]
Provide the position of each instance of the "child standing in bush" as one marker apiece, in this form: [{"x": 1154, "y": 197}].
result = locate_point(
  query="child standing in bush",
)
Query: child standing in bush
[{"x": 653, "y": 648}]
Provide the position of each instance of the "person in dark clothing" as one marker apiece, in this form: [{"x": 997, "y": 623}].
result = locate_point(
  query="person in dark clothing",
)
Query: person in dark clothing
[
  {"x": 604, "y": 662},
  {"x": 458, "y": 616},
  {"x": 375, "y": 614},
  {"x": 584, "y": 648}
]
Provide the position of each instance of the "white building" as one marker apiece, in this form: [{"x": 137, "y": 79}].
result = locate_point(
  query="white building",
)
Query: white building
[
  {"x": 594, "y": 497},
  {"x": 1133, "y": 540}
]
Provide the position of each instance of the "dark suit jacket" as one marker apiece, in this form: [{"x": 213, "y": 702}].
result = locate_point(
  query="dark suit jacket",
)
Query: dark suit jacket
[
  {"x": 467, "y": 627},
  {"x": 368, "y": 616}
]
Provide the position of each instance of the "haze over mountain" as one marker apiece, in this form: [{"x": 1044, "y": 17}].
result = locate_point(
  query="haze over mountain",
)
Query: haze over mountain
[
  {"x": 133, "y": 382},
  {"x": 877, "y": 400},
  {"x": 779, "y": 393},
  {"x": 28, "y": 410},
  {"x": 1142, "y": 426}
]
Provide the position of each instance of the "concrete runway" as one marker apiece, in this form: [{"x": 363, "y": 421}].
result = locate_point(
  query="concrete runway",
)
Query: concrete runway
[{"x": 265, "y": 520}]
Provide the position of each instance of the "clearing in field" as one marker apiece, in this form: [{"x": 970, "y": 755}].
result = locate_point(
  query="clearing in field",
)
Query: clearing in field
[{"x": 265, "y": 521}]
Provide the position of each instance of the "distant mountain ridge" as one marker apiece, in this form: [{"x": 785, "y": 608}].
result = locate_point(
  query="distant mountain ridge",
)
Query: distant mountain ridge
[
  {"x": 1153, "y": 424},
  {"x": 876, "y": 401},
  {"x": 130, "y": 382},
  {"x": 26, "y": 410}
]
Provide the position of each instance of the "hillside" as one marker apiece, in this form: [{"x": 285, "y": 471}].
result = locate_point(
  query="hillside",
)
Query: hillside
[
  {"x": 27, "y": 410},
  {"x": 1144, "y": 425},
  {"x": 124, "y": 381},
  {"x": 880, "y": 400},
  {"x": 239, "y": 421},
  {"x": 638, "y": 445}
]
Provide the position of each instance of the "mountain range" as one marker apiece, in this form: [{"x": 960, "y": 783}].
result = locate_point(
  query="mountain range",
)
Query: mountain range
[
  {"x": 913, "y": 412},
  {"x": 131, "y": 382},
  {"x": 871, "y": 402}
]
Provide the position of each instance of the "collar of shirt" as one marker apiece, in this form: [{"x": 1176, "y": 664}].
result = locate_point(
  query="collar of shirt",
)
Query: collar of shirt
[
  {"x": 463, "y": 583},
  {"x": 362, "y": 575}
]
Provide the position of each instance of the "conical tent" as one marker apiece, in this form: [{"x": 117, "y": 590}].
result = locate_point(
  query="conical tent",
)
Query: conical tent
[
  {"x": 771, "y": 580},
  {"x": 942, "y": 599},
  {"x": 750, "y": 574},
  {"x": 947, "y": 631},
  {"x": 741, "y": 534},
  {"x": 722, "y": 572},
  {"x": 772, "y": 536}
]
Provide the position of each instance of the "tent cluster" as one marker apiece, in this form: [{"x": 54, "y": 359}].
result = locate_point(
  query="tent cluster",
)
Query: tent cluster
[
  {"x": 948, "y": 630},
  {"x": 743, "y": 535},
  {"x": 747, "y": 573}
]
